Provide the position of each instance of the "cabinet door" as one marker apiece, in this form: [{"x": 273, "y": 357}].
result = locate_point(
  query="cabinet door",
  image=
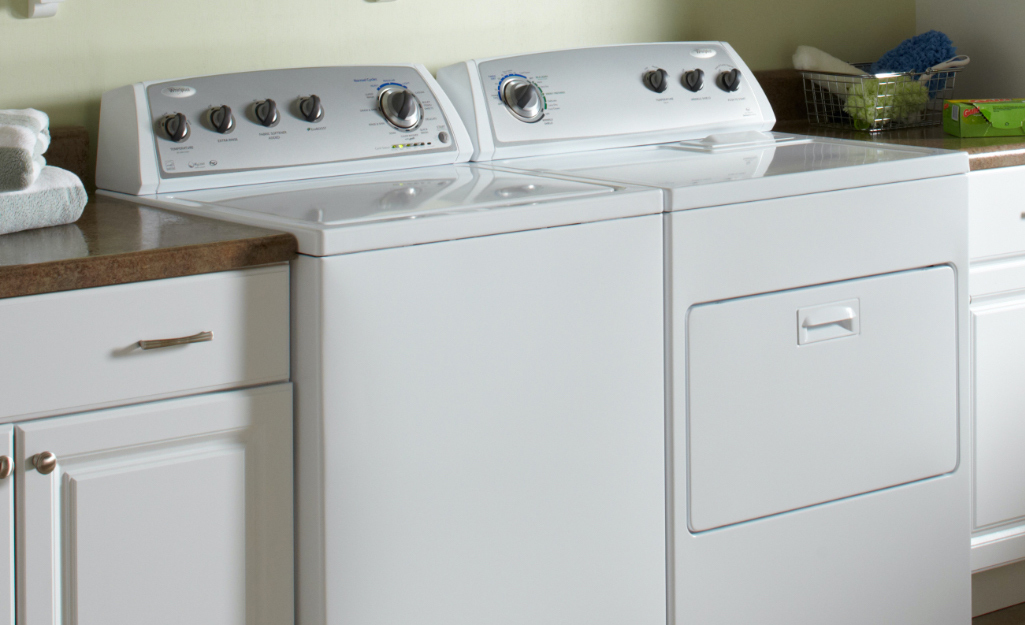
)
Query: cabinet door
[
  {"x": 6, "y": 527},
  {"x": 173, "y": 512},
  {"x": 999, "y": 369}
]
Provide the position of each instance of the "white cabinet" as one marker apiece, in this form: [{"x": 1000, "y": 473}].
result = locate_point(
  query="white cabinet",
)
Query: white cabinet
[
  {"x": 177, "y": 511},
  {"x": 176, "y": 508},
  {"x": 6, "y": 525},
  {"x": 997, "y": 248},
  {"x": 999, "y": 369}
]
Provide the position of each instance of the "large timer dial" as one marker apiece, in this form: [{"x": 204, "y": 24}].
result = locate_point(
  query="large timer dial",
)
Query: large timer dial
[
  {"x": 523, "y": 98},
  {"x": 400, "y": 107}
]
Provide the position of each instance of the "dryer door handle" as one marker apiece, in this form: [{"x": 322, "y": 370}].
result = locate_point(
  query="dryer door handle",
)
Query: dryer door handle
[
  {"x": 826, "y": 316},
  {"x": 828, "y": 321}
]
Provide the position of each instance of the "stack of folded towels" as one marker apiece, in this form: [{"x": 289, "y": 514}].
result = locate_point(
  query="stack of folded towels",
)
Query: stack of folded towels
[{"x": 33, "y": 195}]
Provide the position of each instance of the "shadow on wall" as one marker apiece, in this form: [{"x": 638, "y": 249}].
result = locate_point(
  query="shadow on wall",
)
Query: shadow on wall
[{"x": 765, "y": 34}]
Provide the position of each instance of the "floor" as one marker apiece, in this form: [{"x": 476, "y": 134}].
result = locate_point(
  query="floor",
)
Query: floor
[{"x": 1014, "y": 615}]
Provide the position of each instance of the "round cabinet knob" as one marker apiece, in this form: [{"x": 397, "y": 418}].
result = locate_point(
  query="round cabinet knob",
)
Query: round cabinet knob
[
  {"x": 6, "y": 467},
  {"x": 222, "y": 120},
  {"x": 45, "y": 462},
  {"x": 694, "y": 80},
  {"x": 176, "y": 127},
  {"x": 657, "y": 80},
  {"x": 267, "y": 112},
  {"x": 400, "y": 108},
  {"x": 730, "y": 81},
  {"x": 524, "y": 99},
  {"x": 311, "y": 109}
]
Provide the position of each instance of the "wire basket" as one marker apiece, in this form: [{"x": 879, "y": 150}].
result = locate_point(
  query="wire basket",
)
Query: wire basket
[{"x": 877, "y": 102}]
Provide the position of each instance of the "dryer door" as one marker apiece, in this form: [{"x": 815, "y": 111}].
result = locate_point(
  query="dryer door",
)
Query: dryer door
[{"x": 809, "y": 395}]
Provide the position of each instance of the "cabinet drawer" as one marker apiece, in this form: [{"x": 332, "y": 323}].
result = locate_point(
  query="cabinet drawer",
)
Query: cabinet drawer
[
  {"x": 996, "y": 212},
  {"x": 65, "y": 352}
]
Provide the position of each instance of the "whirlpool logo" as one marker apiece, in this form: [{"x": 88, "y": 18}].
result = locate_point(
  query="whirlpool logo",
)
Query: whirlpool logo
[{"x": 178, "y": 92}]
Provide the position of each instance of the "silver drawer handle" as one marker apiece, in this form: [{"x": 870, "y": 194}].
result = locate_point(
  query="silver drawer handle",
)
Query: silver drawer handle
[{"x": 202, "y": 337}]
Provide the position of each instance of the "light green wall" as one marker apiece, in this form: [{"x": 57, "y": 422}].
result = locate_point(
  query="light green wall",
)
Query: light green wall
[{"x": 62, "y": 64}]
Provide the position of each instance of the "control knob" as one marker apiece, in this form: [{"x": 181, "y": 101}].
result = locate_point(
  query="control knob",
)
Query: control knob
[
  {"x": 657, "y": 80},
  {"x": 176, "y": 126},
  {"x": 400, "y": 108},
  {"x": 730, "y": 81},
  {"x": 311, "y": 109},
  {"x": 694, "y": 80},
  {"x": 267, "y": 112},
  {"x": 221, "y": 119},
  {"x": 524, "y": 99}
]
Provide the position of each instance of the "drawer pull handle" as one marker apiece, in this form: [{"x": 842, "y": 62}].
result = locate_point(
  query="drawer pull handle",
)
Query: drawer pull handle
[
  {"x": 6, "y": 467},
  {"x": 202, "y": 337},
  {"x": 45, "y": 462}
]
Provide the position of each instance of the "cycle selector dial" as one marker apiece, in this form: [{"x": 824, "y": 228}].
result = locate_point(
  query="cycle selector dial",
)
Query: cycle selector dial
[
  {"x": 176, "y": 127},
  {"x": 311, "y": 109},
  {"x": 222, "y": 120},
  {"x": 730, "y": 80},
  {"x": 400, "y": 108},
  {"x": 524, "y": 99},
  {"x": 267, "y": 112},
  {"x": 694, "y": 80},
  {"x": 657, "y": 80}
]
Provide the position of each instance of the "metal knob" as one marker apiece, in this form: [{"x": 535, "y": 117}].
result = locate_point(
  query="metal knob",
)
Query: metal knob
[
  {"x": 730, "y": 81},
  {"x": 45, "y": 462},
  {"x": 657, "y": 80},
  {"x": 222, "y": 120},
  {"x": 524, "y": 99},
  {"x": 6, "y": 467},
  {"x": 694, "y": 80},
  {"x": 267, "y": 113},
  {"x": 400, "y": 108},
  {"x": 311, "y": 109},
  {"x": 176, "y": 126}
]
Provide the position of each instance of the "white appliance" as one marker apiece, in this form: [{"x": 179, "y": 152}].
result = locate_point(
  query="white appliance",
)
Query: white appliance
[
  {"x": 817, "y": 337},
  {"x": 478, "y": 355}
]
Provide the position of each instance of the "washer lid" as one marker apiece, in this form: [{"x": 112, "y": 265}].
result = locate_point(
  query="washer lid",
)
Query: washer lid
[
  {"x": 389, "y": 209},
  {"x": 720, "y": 171}
]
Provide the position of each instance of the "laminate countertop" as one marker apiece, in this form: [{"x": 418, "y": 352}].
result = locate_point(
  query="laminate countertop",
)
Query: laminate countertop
[
  {"x": 983, "y": 152},
  {"x": 119, "y": 241}
]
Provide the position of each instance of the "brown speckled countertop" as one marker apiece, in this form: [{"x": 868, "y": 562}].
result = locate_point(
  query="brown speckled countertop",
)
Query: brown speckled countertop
[
  {"x": 983, "y": 152},
  {"x": 785, "y": 90},
  {"x": 118, "y": 241}
]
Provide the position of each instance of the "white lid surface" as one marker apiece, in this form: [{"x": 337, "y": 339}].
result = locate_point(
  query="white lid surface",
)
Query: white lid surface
[
  {"x": 697, "y": 175},
  {"x": 372, "y": 211}
]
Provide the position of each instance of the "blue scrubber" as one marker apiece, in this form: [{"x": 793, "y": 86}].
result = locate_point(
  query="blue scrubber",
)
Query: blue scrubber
[{"x": 916, "y": 54}]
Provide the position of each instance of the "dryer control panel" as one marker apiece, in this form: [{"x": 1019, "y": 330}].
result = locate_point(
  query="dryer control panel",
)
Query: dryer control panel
[
  {"x": 264, "y": 126},
  {"x": 612, "y": 96}
]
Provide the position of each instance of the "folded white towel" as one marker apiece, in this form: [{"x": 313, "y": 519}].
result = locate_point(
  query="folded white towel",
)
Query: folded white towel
[
  {"x": 24, "y": 137},
  {"x": 57, "y": 197},
  {"x": 812, "y": 59}
]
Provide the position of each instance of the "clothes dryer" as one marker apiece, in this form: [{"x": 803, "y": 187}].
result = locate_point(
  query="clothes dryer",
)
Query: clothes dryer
[{"x": 816, "y": 329}]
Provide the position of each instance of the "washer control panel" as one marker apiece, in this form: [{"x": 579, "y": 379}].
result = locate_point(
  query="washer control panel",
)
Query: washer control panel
[{"x": 293, "y": 117}]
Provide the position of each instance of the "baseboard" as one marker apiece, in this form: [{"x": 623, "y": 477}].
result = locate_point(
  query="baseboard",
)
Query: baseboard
[{"x": 996, "y": 589}]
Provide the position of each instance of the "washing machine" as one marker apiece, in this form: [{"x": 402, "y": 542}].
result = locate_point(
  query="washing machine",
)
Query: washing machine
[
  {"x": 478, "y": 355},
  {"x": 816, "y": 329}
]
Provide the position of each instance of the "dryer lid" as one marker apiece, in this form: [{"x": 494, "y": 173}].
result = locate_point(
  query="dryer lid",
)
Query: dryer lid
[{"x": 716, "y": 172}]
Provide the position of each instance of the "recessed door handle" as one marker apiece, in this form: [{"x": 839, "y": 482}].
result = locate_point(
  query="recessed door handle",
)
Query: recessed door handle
[
  {"x": 826, "y": 316},
  {"x": 828, "y": 321},
  {"x": 202, "y": 337}
]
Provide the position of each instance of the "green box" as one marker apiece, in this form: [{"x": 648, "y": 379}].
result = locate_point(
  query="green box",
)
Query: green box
[{"x": 984, "y": 118}]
